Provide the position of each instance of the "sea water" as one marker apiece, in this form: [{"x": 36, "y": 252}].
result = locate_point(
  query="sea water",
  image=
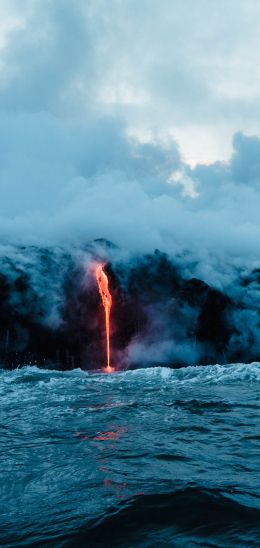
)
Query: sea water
[{"x": 151, "y": 457}]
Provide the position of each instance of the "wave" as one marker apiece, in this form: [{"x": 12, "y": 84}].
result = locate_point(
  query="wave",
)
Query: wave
[
  {"x": 209, "y": 374},
  {"x": 192, "y": 513},
  {"x": 214, "y": 374}
]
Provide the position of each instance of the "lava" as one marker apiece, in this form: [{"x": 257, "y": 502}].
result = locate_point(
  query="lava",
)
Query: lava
[{"x": 102, "y": 281}]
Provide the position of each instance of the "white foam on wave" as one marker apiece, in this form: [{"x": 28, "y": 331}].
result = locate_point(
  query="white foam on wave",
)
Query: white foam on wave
[{"x": 208, "y": 374}]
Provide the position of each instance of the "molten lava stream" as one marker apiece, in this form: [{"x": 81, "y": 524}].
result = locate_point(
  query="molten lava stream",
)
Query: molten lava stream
[{"x": 102, "y": 281}]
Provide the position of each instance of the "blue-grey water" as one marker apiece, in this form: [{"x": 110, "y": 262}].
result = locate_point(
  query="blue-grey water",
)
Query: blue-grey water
[{"x": 151, "y": 457}]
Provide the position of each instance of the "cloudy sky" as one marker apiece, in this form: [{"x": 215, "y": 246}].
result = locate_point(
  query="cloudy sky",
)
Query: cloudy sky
[
  {"x": 178, "y": 68},
  {"x": 122, "y": 118}
]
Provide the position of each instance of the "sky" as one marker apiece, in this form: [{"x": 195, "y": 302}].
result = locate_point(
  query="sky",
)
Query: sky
[
  {"x": 172, "y": 69},
  {"x": 135, "y": 120}
]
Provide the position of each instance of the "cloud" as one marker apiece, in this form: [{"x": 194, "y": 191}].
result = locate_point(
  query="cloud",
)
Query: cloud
[
  {"x": 91, "y": 99},
  {"x": 157, "y": 67},
  {"x": 44, "y": 56}
]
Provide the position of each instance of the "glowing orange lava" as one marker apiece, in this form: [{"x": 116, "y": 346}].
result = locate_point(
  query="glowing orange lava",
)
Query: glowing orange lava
[{"x": 102, "y": 281}]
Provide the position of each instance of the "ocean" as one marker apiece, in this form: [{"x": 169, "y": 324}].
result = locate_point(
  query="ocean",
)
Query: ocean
[{"x": 150, "y": 457}]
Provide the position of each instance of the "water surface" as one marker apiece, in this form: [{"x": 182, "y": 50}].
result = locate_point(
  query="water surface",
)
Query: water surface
[{"x": 152, "y": 457}]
